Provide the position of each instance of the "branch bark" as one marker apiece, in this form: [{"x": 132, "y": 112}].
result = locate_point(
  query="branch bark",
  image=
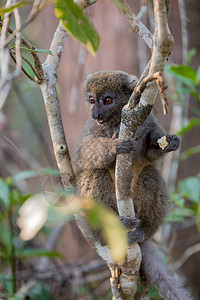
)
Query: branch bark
[{"x": 133, "y": 115}]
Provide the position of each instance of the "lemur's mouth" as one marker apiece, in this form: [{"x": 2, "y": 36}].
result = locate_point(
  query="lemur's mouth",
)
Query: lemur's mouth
[{"x": 100, "y": 121}]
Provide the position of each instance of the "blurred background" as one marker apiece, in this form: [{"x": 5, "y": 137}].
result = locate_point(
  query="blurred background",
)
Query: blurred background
[{"x": 25, "y": 142}]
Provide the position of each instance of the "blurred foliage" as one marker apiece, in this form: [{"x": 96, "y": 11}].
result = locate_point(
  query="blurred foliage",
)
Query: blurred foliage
[
  {"x": 186, "y": 197},
  {"x": 14, "y": 244},
  {"x": 77, "y": 24},
  {"x": 12, "y": 248}
]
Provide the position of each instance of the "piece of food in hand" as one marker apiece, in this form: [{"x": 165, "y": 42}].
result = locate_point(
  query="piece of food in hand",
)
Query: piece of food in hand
[{"x": 162, "y": 142}]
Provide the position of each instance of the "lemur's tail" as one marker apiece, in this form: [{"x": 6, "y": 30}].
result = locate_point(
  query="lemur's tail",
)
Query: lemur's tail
[{"x": 159, "y": 275}]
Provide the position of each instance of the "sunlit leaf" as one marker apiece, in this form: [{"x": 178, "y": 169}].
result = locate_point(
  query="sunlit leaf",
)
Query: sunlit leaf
[
  {"x": 77, "y": 24},
  {"x": 10, "y": 9},
  {"x": 113, "y": 231},
  {"x": 32, "y": 216},
  {"x": 184, "y": 74},
  {"x": 198, "y": 75}
]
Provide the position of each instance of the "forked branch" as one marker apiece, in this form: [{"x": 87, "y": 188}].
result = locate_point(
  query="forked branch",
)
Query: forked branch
[{"x": 133, "y": 115}]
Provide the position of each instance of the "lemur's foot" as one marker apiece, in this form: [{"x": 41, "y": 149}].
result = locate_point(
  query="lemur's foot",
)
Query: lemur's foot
[
  {"x": 136, "y": 233},
  {"x": 173, "y": 142}
]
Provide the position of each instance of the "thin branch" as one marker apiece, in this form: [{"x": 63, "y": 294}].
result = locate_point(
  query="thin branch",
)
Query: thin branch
[
  {"x": 6, "y": 77},
  {"x": 23, "y": 70},
  {"x": 135, "y": 98},
  {"x": 36, "y": 59},
  {"x": 84, "y": 3},
  {"x": 186, "y": 255},
  {"x": 137, "y": 25}
]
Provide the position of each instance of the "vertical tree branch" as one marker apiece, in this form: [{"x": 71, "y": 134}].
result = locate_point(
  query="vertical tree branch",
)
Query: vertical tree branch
[{"x": 133, "y": 116}]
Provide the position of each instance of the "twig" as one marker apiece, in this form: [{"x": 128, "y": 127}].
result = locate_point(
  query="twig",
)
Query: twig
[
  {"x": 4, "y": 58},
  {"x": 23, "y": 70},
  {"x": 135, "y": 98},
  {"x": 186, "y": 255},
  {"x": 138, "y": 26},
  {"x": 37, "y": 63}
]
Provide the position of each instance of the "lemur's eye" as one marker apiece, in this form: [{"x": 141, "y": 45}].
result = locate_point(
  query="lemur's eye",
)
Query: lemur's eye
[
  {"x": 108, "y": 100},
  {"x": 91, "y": 99}
]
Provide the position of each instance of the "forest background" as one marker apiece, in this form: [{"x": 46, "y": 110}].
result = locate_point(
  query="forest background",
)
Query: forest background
[{"x": 26, "y": 145}]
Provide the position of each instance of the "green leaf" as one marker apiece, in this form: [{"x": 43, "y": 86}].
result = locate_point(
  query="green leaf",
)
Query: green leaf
[
  {"x": 189, "y": 152},
  {"x": 17, "y": 198},
  {"x": 190, "y": 187},
  {"x": 7, "y": 283},
  {"x": 198, "y": 75},
  {"x": 24, "y": 175},
  {"x": 39, "y": 292},
  {"x": 2, "y": 254},
  {"x": 34, "y": 50},
  {"x": 179, "y": 214},
  {"x": 10, "y": 9},
  {"x": 50, "y": 171},
  {"x": 192, "y": 123},
  {"x": 4, "y": 192},
  {"x": 38, "y": 252},
  {"x": 198, "y": 217},
  {"x": 77, "y": 24},
  {"x": 190, "y": 55},
  {"x": 184, "y": 74},
  {"x": 5, "y": 238}
]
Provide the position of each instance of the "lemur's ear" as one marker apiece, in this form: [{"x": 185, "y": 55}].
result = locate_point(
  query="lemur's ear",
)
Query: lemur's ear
[{"x": 132, "y": 81}]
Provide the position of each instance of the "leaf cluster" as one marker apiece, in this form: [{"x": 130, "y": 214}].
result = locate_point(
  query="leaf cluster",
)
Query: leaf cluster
[
  {"x": 12, "y": 248},
  {"x": 187, "y": 82}
]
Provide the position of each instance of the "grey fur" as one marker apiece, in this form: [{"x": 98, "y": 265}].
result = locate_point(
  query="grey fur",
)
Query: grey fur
[{"x": 95, "y": 156}]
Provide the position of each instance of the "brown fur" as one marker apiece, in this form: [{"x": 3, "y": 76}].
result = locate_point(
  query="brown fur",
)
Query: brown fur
[
  {"x": 94, "y": 165},
  {"x": 98, "y": 146}
]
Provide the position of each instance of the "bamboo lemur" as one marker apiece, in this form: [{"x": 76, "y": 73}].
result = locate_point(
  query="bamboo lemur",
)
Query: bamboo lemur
[{"x": 106, "y": 92}]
